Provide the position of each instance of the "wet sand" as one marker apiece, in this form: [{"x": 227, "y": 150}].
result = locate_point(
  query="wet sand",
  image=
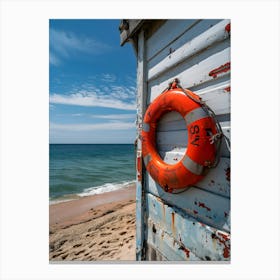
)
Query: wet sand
[{"x": 94, "y": 228}]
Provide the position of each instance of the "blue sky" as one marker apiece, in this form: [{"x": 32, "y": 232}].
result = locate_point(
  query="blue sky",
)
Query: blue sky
[{"x": 92, "y": 83}]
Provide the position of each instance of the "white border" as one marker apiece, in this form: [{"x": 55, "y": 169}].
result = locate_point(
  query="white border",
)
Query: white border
[{"x": 24, "y": 137}]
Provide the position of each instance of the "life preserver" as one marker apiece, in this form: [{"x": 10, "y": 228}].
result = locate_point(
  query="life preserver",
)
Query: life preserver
[{"x": 199, "y": 154}]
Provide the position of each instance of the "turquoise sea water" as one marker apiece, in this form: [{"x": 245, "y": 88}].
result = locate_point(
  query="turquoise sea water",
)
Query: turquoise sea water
[{"x": 84, "y": 169}]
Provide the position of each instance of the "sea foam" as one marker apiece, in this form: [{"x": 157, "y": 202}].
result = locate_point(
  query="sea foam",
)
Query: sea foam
[{"x": 108, "y": 187}]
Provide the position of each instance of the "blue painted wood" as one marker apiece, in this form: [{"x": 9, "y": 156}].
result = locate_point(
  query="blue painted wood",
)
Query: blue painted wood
[
  {"x": 204, "y": 241},
  {"x": 139, "y": 221},
  {"x": 207, "y": 207},
  {"x": 169, "y": 247}
]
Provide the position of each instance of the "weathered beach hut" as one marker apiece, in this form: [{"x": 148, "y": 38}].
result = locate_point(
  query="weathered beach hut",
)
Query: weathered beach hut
[{"x": 193, "y": 224}]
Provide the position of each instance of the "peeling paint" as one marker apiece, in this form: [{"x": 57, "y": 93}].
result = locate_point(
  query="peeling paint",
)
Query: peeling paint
[
  {"x": 223, "y": 240},
  {"x": 219, "y": 70},
  {"x": 227, "y": 89},
  {"x": 187, "y": 252},
  {"x": 139, "y": 168},
  {"x": 201, "y": 204},
  {"x": 224, "y": 236},
  {"x": 227, "y": 28},
  {"x": 227, "y": 173},
  {"x": 183, "y": 248}
]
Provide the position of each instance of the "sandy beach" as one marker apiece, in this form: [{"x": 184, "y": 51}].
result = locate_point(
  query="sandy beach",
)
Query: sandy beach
[{"x": 94, "y": 228}]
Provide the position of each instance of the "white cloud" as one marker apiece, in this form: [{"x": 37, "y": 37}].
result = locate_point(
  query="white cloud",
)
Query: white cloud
[
  {"x": 63, "y": 44},
  {"x": 114, "y": 96},
  {"x": 53, "y": 59},
  {"x": 77, "y": 115},
  {"x": 115, "y": 117},
  {"x": 108, "y": 78},
  {"x": 91, "y": 100},
  {"x": 92, "y": 127}
]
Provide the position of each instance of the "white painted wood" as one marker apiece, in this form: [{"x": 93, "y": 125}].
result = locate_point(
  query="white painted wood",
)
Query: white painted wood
[
  {"x": 166, "y": 34},
  {"x": 179, "y": 136},
  {"x": 213, "y": 35},
  {"x": 217, "y": 97},
  {"x": 218, "y": 179},
  {"x": 141, "y": 97},
  {"x": 174, "y": 121},
  {"x": 194, "y": 71},
  {"x": 189, "y": 31},
  {"x": 175, "y": 137},
  {"x": 174, "y": 156}
]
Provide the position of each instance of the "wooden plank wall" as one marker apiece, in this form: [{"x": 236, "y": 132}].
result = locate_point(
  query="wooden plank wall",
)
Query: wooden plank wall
[{"x": 198, "y": 53}]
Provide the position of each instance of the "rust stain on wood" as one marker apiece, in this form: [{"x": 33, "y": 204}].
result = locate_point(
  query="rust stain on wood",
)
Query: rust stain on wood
[{"x": 173, "y": 222}]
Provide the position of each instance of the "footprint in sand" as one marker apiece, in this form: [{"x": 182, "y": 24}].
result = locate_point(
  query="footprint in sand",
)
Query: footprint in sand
[
  {"x": 79, "y": 252},
  {"x": 94, "y": 211},
  {"x": 77, "y": 245},
  {"x": 123, "y": 232},
  {"x": 115, "y": 228},
  {"x": 56, "y": 255},
  {"x": 105, "y": 233},
  {"x": 51, "y": 247},
  {"x": 109, "y": 212},
  {"x": 92, "y": 244},
  {"x": 113, "y": 240},
  {"x": 104, "y": 253},
  {"x": 64, "y": 257}
]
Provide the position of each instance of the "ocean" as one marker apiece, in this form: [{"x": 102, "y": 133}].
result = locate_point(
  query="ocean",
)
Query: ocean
[{"x": 77, "y": 170}]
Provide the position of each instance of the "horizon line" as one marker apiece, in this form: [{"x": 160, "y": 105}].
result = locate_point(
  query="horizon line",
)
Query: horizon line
[{"x": 91, "y": 143}]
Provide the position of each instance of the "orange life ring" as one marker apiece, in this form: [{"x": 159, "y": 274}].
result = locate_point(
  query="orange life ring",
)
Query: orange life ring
[{"x": 200, "y": 153}]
